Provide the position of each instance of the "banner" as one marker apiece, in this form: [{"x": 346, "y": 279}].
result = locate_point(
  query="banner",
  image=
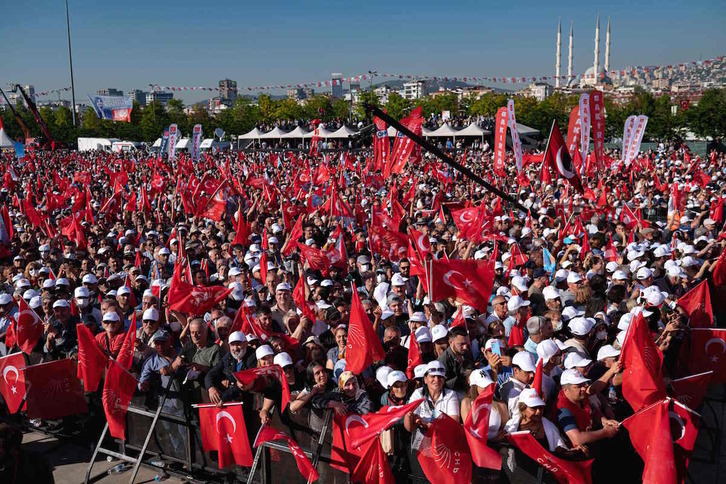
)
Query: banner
[
  {"x": 19, "y": 150},
  {"x": 196, "y": 141},
  {"x": 584, "y": 128},
  {"x": 115, "y": 108},
  {"x": 516, "y": 143},
  {"x": 636, "y": 138},
  {"x": 573, "y": 131},
  {"x": 173, "y": 137},
  {"x": 597, "y": 112},
  {"x": 500, "y": 142},
  {"x": 627, "y": 136},
  {"x": 164, "y": 142}
]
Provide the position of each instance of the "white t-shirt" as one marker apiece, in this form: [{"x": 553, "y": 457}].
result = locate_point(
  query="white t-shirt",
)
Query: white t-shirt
[{"x": 448, "y": 403}]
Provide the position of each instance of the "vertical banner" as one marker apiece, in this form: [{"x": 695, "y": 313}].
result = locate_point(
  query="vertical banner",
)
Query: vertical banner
[
  {"x": 573, "y": 131},
  {"x": 381, "y": 145},
  {"x": 163, "y": 148},
  {"x": 500, "y": 142},
  {"x": 636, "y": 138},
  {"x": 584, "y": 126},
  {"x": 627, "y": 136},
  {"x": 196, "y": 142},
  {"x": 516, "y": 143},
  {"x": 173, "y": 136},
  {"x": 597, "y": 111}
]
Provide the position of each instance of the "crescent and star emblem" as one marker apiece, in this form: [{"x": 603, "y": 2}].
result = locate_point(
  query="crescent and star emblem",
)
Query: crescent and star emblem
[{"x": 222, "y": 415}]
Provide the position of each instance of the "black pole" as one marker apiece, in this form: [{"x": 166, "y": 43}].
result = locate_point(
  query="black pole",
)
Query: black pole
[
  {"x": 70, "y": 61},
  {"x": 372, "y": 108}
]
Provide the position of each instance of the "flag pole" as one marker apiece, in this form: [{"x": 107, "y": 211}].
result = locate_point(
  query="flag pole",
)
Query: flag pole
[{"x": 376, "y": 111}]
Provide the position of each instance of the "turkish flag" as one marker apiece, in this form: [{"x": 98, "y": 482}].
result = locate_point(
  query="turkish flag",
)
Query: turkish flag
[
  {"x": 242, "y": 231},
  {"x": 117, "y": 392},
  {"x": 684, "y": 424},
  {"x": 125, "y": 355},
  {"x": 223, "y": 429},
  {"x": 375, "y": 423},
  {"x": 414, "y": 356},
  {"x": 12, "y": 385},
  {"x": 611, "y": 253},
  {"x": 373, "y": 467},
  {"x": 29, "y": 327},
  {"x": 193, "y": 300},
  {"x": 719, "y": 271},
  {"x": 275, "y": 371},
  {"x": 558, "y": 156},
  {"x": 565, "y": 471},
  {"x": 296, "y": 233},
  {"x": 343, "y": 456},
  {"x": 628, "y": 218},
  {"x": 268, "y": 434},
  {"x": 91, "y": 359},
  {"x": 216, "y": 206},
  {"x": 131, "y": 203},
  {"x": 642, "y": 361},
  {"x": 697, "y": 304},
  {"x": 364, "y": 348},
  {"x": 469, "y": 281},
  {"x": 391, "y": 244},
  {"x": 705, "y": 350},
  {"x": 316, "y": 259},
  {"x": 691, "y": 389},
  {"x": 444, "y": 454},
  {"x": 476, "y": 427},
  {"x": 113, "y": 204},
  {"x": 650, "y": 433},
  {"x": 420, "y": 242},
  {"x": 54, "y": 390}
]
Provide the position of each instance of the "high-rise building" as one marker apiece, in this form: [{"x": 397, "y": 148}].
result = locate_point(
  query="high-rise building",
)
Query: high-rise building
[
  {"x": 15, "y": 97},
  {"x": 160, "y": 96},
  {"x": 110, "y": 91},
  {"x": 337, "y": 84},
  {"x": 227, "y": 91},
  {"x": 414, "y": 89},
  {"x": 139, "y": 96}
]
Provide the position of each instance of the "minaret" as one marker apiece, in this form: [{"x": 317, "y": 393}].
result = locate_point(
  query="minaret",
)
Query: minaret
[
  {"x": 607, "y": 48},
  {"x": 559, "y": 53},
  {"x": 596, "y": 65},
  {"x": 569, "y": 57}
]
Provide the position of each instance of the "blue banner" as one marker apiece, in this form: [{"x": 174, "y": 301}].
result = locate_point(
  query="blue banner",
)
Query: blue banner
[
  {"x": 164, "y": 142},
  {"x": 115, "y": 108},
  {"x": 19, "y": 150}
]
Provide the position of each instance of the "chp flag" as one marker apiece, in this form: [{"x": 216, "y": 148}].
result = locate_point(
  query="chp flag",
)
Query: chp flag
[
  {"x": 516, "y": 143},
  {"x": 114, "y": 108},
  {"x": 584, "y": 128}
]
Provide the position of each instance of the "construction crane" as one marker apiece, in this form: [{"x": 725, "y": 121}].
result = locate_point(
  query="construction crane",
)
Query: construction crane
[{"x": 49, "y": 142}]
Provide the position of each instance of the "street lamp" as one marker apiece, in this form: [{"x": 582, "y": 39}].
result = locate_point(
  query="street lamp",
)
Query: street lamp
[{"x": 70, "y": 61}]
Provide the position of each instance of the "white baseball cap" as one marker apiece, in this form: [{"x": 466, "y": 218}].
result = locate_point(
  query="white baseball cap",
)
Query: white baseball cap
[
  {"x": 435, "y": 368},
  {"x": 420, "y": 371},
  {"x": 573, "y": 278},
  {"x": 607, "y": 351},
  {"x": 572, "y": 377},
  {"x": 110, "y": 316},
  {"x": 572, "y": 312},
  {"x": 519, "y": 283},
  {"x": 644, "y": 273},
  {"x": 395, "y": 377},
  {"x": 574, "y": 360},
  {"x": 151, "y": 314},
  {"x": 123, "y": 290},
  {"x": 529, "y": 397},
  {"x": 282, "y": 359},
  {"x": 516, "y": 302},
  {"x": 550, "y": 293},
  {"x": 382, "y": 375},
  {"x": 423, "y": 335},
  {"x": 60, "y": 303},
  {"x": 546, "y": 349},
  {"x": 524, "y": 361},
  {"x": 398, "y": 280},
  {"x": 439, "y": 332},
  {"x": 581, "y": 326},
  {"x": 480, "y": 378},
  {"x": 237, "y": 337},
  {"x": 620, "y": 276},
  {"x": 263, "y": 351}
]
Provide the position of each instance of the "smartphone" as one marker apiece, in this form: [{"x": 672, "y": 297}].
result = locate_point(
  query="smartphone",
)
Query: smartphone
[{"x": 496, "y": 348}]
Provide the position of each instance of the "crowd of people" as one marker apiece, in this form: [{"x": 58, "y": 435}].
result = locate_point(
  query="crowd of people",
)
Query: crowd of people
[{"x": 569, "y": 277}]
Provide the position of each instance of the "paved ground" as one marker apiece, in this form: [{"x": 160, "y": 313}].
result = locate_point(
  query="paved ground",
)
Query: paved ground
[{"x": 70, "y": 461}]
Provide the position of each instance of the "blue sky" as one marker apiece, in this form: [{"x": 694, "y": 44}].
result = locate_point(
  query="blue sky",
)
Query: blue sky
[{"x": 129, "y": 44}]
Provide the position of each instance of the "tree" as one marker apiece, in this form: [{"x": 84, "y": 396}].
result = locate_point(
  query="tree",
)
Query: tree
[
  {"x": 154, "y": 120},
  {"x": 366, "y": 97},
  {"x": 397, "y": 107},
  {"x": 708, "y": 118},
  {"x": 341, "y": 109}
]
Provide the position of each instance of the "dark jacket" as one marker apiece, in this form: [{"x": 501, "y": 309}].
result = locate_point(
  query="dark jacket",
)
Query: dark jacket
[
  {"x": 225, "y": 370},
  {"x": 456, "y": 378}
]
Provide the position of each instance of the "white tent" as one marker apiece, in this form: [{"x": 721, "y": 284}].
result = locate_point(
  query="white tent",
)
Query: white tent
[
  {"x": 298, "y": 132},
  {"x": 343, "y": 132},
  {"x": 276, "y": 133},
  {"x": 473, "y": 130},
  {"x": 526, "y": 130},
  {"x": 5, "y": 140},
  {"x": 183, "y": 144},
  {"x": 254, "y": 134},
  {"x": 425, "y": 131},
  {"x": 443, "y": 131},
  {"x": 157, "y": 143}
]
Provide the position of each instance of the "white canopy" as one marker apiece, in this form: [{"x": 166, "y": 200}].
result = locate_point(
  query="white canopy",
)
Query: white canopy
[
  {"x": 473, "y": 130},
  {"x": 183, "y": 144},
  {"x": 276, "y": 133},
  {"x": 425, "y": 131},
  {"x": 298, "y": 132},
  {"x": 5, "y": 140},
  {"x": 157, "y": 143},
  {"x": 254, "y": 134},
  {"x": 343, "y": 132},
  {"x": 443, "y": 131},
  {"x": 526, "y": 130},
  {"x": 206, "y": 143},
  {"x": 392, "y": 131}
]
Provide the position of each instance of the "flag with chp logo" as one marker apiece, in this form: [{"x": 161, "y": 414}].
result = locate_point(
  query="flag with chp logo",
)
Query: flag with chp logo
[
  {"x": 268, "y": 434},
  {"x": 565, "y": 471},
  {"x": 12, "y": 385},
  {"x": 697, "y": 304},
  {"x": 363, "y": 347},
  {"x": 444, "y": 454},
  {"x": 706, "y": 351},
  {"x": 54, "y": 390},
  {"x": 193, "y": 300},
  {"x": 223, "y": 429},
  {"x": 91, "y": 359},
  {"x": 476, "y": 427},
  {"x": 373, "y": 467},
  {"x": 642, "y": 366},
  {"x": 468, "y": 281},
  {"x": 558, "y": 156},
  {"x": 117, "y": 392},
  {"x": 691, "y": 389}
]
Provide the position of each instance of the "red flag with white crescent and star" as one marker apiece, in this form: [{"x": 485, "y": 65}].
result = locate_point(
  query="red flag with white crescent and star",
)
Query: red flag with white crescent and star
[
  {"x": 704, "y": 351},
  {"x": 29, "y": 327},
  {"x": 476, "y": 427},
  {"x": 469, "y": 281},
  {"x": 12, "y": 384},
  {"x": 559, "y": 157},
  {"x": 224, "y": 430},
  {"x": 117, "y": 392}
]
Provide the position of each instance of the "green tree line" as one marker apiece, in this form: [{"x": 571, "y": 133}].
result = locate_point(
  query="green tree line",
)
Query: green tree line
[{"x": 706, "y": 119}]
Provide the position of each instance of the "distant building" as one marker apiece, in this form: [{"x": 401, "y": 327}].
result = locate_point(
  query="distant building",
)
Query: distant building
[
  {"x": 475, "y": 91},
  {"x": 161, "y": 97},
  {"x": 414, "y": 90},
  {"x": 16, "y": 97},
  {"x": 382, "y": 93},
  {"x": 539, "y": 90},
  {"x": 300, "y": 93},
  {"x": 139, "y": 96},
  {"x": 227, "y": 91},
  {"x": 337, "y": 84},
  {"x": 110, "y": 91}
]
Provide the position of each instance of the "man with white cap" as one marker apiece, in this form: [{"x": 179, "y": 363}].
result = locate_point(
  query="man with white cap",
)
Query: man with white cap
[
  {"x": 518, "y": 310},
  {"x": 674, "y": 281},
  {"x": 523, "y": 369},
  {"x": 283, "y": 302},
  {"x": 240, "y": 357},
  {"x": 59, "y": 339},
  {"x": 580, "y": 328},
  {"x": 575, "y": 416},
  {"x": 8, "y": 312},
  {"x": 89, "y": 314}
]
